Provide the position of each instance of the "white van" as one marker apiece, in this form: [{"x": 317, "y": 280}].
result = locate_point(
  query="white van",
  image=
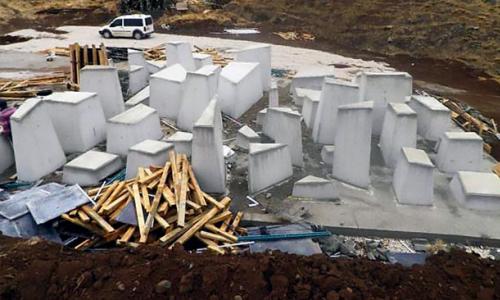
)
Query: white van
[{"x": 136, "y": 26}]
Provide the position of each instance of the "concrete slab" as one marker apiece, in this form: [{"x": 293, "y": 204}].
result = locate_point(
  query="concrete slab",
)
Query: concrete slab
[
  {"x": 261, "y": 54},
  {"x": 246, "y": 136},
  {"x": 146, "y": 153},
  {"x": 301, "y": 93},
  {"x": 476, "y": 190},
  {"x": 268, "y": 165},
  {"x": 166, "y": 89},
  {"x": 327, "y": 154},
  {"x": 201, "y": 60},
  {"x": 182, "y": 142},
  {"x": 138, "y": 79},
  {"x": 180, "y": 53},
  {"x": 142, "y": 97},
  {"x": 6, "y": 154},
  {"x": 433, "y": 118},
  {"x": 459, "y": 151},
  {"x": 309, "y": 110},
  {"x": 313, "y": 187},
  {"x": 90, "y": 168},
  {"x": 310, "y": 79}
]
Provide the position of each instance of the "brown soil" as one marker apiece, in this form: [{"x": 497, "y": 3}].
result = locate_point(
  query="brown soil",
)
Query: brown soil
[{"x": 34, "y": 269}]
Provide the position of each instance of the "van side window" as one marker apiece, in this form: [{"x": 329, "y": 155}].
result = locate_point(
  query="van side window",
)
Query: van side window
[
  {"x": 116, "y": 23},
  {"x": 149, "y": 21},
  {"x": 133, "y": 22}
]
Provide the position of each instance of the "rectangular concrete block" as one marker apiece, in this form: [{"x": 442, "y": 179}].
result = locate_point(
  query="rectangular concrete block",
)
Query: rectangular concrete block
[
  {"x": 6, "y": 154},
  {"x": 399, "y": 130},
  {"x": 103, "y": 80},
  {"x": 327, "y": 154},
  {"x": 91, "y": 167},
  {"x": 182, "y": 142},
  {"x": 310, "y": 79},
  {"x": 460, "y": 151},
  {"x": 475, "y": 190},
  {"x": 413, "y": 180},
  {"x": 78, "y": 119},
  {"x": 155, "y": 66},
  {"x": 274, "y": 97},
  {"x": 302, "y": 93},
  {"x": 136, "y": 57},
  {"x": 37, "y": 149},
  {"x": 313, "y": 187},
  {"x": 166, "y": 89},
  {"x": 146, "y": 153},
  {"x": 433, "y": 118},
  {"x": 180, "y": 53},
  {"x": 135, "y": 125},
  {"x": 261, "y": 117},
  {"x": 201, "y": 60},
  {"x": 138, "y": 79},
  {"x": 245, "y": 137},
  {"x": 268, "y": 165},
  {"x": 309, "y": 110},
  {"x": 240, "y": 87},
  {"x": 260, "y": 54},
  {"x": 142, "y": 97},
  {"x": 351, "y": 160}
]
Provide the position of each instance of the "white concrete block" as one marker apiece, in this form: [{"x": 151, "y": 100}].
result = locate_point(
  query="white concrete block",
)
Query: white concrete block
[
  {"x": 283, "y": 125},
  {"x": 475, "y": 190},
  {"x": 433, "y": 118},
  {"x": 155, "y": 66},
  {"x": 146, "y": 153},
  {"x": 142, "y": 97},
  {"x": 246, "y": 136},
  {"x": 383, "y": 88},
  {"x": 309, "y": 110},
  {"x": 261, "y": 117},
  {"x": 78, "y": 119},
  {"x": 260, "y": 54},
  {"x": 413, "y": 180},
  {"x": 208, "y": 157},
  {"x": 166, "y": 89},
  {"x": 334, "y": 94},
  {"x": 103, "y": 80},
  {"x": 315, "y": 188},
  {"x": 399, "y": 130},
  {"x": 198, "y": 89},
  {"x": 460, "y": 151},
  {"x": 327, "y": 154},
  {"x": 37, "y": 149},
  {"x": 180, "y": 53},
  {"x": 90, "y": 168},
  {"x": 135, "y": 125},
  {"x": 201, "y": 60},
  {"x": 138, "y": 79},
  {"x": 351, "y": 160},
  {"x": 182, "y": 142},
  {"x": 136, "y": 57},
  {"x": 274, "y": 97},
  {"x": 310, "y": 79},
  {"x": 268, "y": 164},
  {"x": 240, "y": 87},
  {"x": 301, "y": 93},
  {"x": 6, "y": 154}
]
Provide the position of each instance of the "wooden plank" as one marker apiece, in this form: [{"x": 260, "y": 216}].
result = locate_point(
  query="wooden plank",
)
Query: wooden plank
[
  {"x": 72, "y": 61},
  {"x": 210, "y": 243},
  {"x": 169, "y": 196},
  {"x": 213, "y": 201},
  {"x": 104, "y": 54},
  {"x": 218, "y": 231},
  {"x": 177, "y": 232},
  {"x": 112, "y": 206},
  {"x": 119, "y": 210},
  {"x": 85, "y": 55},
  {"x": 195, "y": 206},
  {"x": 96, "y": 217},
  {"x": 87, "y": 226},
  {"x": 181, "y": 206},
  {"x": 198, "y": 193},
  {"x": 138, "y": 209},
  {"x": 163, "y": 223},
  {"x": 213, "y": 236},
  {"x": 145, "y": 198},
  {"x": 221, "y": 217},
  {"x": 84, "y": 245},
  {"x": 148, "y": 179},
  {"x": 127, "y": 235},
  {"x": 236, "y": 222},
  {"x": 105, "y": 196},
  {"x": 94, "y": 55},
  {"x": 78, "y": 63},
  {"x": 115, "y": 194},
  {"x": 83, "y": 216}
]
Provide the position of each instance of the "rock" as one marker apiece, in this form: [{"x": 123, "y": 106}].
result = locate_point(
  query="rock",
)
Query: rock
[
  {"x": 348, "y": 248},
  {"x": 120, "y": 286},
  {"x": 268, "y": 195},
  {"x": 163, "y": 286},
  {"x": 331, "y": 244}
]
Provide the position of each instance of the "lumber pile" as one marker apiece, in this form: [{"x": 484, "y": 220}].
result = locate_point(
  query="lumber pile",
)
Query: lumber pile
[
  {"x": 80, "y": 56},
  {"x": 155, "y": 53},
  {"x": 158, "y": 53},
  {"x": 295, "y": 36},
  {"x": 169, "y": 207},
  {"x": 21, "y": 89}
]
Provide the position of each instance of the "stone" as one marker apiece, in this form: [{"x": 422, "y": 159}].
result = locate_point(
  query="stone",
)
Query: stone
[
  {"x": 139, "y": 123},
  {"x": 166, "y": 89},
  {"x": 142, "y": 97},
  {"x": 37, "y": 149},
  {"x": 78, "y": 119},
  {"x": 136, "y": 57},
  {"x": 268, "y": 165},
  {"x": 459, "y": 151},
  {"x": 310, "y": 79},
  {"x": 163, "y": 286},
  {"x": 315, "y": 188},
  {"x": 138, "y": 79},
  {"x": 240, "y": 87},
  {"x": 327, "y": 154},
  {"x": 274, "y": 95},
  {"x": 433, "y": 118},
  {"x": 334, "y": 94},
  {"x": 182, "y": 142},
  {"x": 201, "y": 60},
  {"x": 103, "y": 80},
  {"x": 302, "y": 93},
  {"x": 476, "y": 190},
  {"x": 90, "y": 168},
  {"x": 180, "y": 53},
  {"x": 351, "y": 160},
  {"x": 261, "y": 54},
  {"x": 413, "y": 180},
  {"x": 146, "y": 153},
  {"x": 6, "y": 154},
  {"x": 399, "y": 130},
  {"x": 261, "y": 117},
  {"x": 246, "y": 136}
]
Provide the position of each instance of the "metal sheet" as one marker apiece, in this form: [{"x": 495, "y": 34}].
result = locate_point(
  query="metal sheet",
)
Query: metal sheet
[{"x": 128, "y": 215}]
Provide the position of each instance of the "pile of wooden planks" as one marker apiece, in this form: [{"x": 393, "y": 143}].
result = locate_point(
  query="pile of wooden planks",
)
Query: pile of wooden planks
[
  {"x": 155, "y": 53},
  {"x": 80, "y": 56},
  {"x": 21, "y": 89},
  {"x": 170, "y": 208},
  {"x": 295, "y": 36},
  {"x": 158, "y": 53}
]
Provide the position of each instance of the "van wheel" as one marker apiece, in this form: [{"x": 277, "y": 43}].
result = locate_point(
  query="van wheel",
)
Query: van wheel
[
  {"x": 137, "y": 35},
  {"x": 106, "y": 34}
]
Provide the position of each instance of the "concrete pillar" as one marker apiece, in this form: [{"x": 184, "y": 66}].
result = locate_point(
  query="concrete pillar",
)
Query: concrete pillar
[
  {"x": 313, "y": 187},
  {"x": 6, "y": 154},
  {"x": 274, "y": 100},
  {"x": 103, "y": 80},
  {"x": 399, "y": 130},
  {"x": 180, "y": 53},
  {"x": 146, "y": 153},
  {"x": 283, "y": 125},
  {"x": 460, "y": 151},
  {"x": 383, "y": 88},
  {"x": 78, "y": 119},
  {"x": 201, "y": 60},
  {"x": 136, "y": 57},
  {"x": 166, "y": 89},
  {"x": 245, "y": 137},
  {"x": 310, "y": 79},
  {"x": 260, "y": 54},
  {"x": 91, "y": 167},
  {"x": 135, "y": 125},
  {"x": 182, "y": 142},
  {"x": 413, "y": 180},
  {"x": 142, "y": 97},
  {"x": 309, "y": 110},
  {"x": 268, "y": 165},
  {"x": 475, "y": 190},
  {"x": 37, "y": 149},
  {"x": 240, "y": 87},
  {"x": 433, "y": 118},
  {"x": 351, "y": 160},
  {"x": 208, "y": 156},
  {"x": 138, "y": 78},
  {"x": 334, "y": 94}
]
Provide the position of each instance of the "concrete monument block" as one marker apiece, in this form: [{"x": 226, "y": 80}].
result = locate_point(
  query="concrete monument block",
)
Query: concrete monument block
[
  {"x": 142, "y": 97},
  {"x": 327, "y": 154},
  {"x": 91, "y": 167},
  {"x": 475, "y": 190},
  {"x": 309, "y": 110},
  {"x": 201, "y": 60},
  {"x": 135, "y": 125},
  {"x": 302, "y": 93},
  {"x": 460, "y": 151},
  {"x": 155, "y": 66},
  {"x": 166, "y": 89},
  {"x": 246, "y": 136},
  {"x": 274, "y": 97},
  {"x": 103, "y": 80},
  {"x": 413, "y": 180},
  {"x": 433, "y": 118},
  {"x": 309, "y": 79},
  {"x": 383, "y": 88},
  {"x": 182, "y": 142},
  {"x": 138, "y": 79},
  {"x": 146, "y": 153},
  {"x": 315, "y": 188},
  {"x": 334, "y": 94},
  {"x": 261, "y": 117},
  {"x": 78, "y": 119},
  {"x": 240, "y": 87},
  {"x": 351, "y": 160},
  {"x": 399, "y": 130},
  {"x": 6, "y": 154},
  {"x": 283, "y": 125},
  {"x": 268, "y": 165},
  {"x": 136, "y": 57},
  {"x": 208, "y": 157},
  {"x": 37, "y": 149},
  {"x": 260, "y": 54},
  {"x": 180, "y": 53}
]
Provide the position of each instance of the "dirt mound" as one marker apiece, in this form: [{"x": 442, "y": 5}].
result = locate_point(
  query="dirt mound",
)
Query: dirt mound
[{"x": 34, "y": 269}]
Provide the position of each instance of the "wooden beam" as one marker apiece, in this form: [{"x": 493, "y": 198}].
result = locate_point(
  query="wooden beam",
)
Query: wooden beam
[
  {"x": 213, "y": 201},
  {"x": 105, "y": 196},
  {"x": 218, "y": 231},
  {"x": 96, "y": 217},
  {"x": 213, "y": 236},
  {"x": 181, "y": 206},
  {"x": 138, "y": 210},
  {"x": 198, "y": 193}
]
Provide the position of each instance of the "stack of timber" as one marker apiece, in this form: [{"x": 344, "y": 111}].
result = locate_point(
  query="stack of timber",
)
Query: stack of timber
[
  {"x": 21, "y": 89},
  {"x": 158, "y": 53},
  {"x": 80, "y": 56},
  {"x": 169, "y": 207}
]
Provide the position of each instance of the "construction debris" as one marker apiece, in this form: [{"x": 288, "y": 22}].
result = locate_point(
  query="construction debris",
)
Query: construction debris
[
  {"x": 20, "y": 89},
  {"x": 295, "y": 36}
]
